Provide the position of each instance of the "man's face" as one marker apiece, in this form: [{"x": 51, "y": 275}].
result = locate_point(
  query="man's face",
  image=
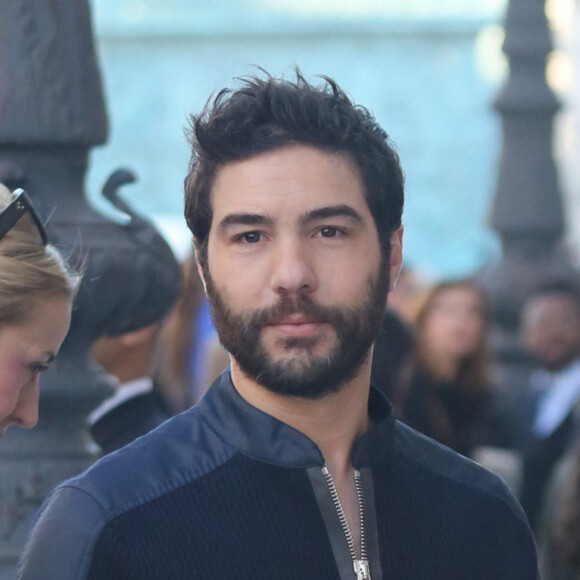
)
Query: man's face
[
  {"x": 551, "y": 329},
  {"x": 294, "y": 270}
]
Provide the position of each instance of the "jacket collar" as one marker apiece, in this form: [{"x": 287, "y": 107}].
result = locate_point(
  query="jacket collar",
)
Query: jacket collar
[{"x": 263, "y": 437}]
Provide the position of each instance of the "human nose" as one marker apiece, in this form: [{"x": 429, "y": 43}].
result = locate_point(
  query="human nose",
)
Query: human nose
[
  {"x": 293, "y": 271},
  {"x": 25, "y": 413}
]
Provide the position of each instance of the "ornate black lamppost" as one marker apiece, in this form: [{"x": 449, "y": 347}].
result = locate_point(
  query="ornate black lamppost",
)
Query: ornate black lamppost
[
  {"x": 527, "y": 210},
  {"x": 51, "y": 113}
]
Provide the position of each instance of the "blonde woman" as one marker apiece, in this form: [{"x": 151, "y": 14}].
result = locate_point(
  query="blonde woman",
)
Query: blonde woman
[{"x": 36, "y": 294}]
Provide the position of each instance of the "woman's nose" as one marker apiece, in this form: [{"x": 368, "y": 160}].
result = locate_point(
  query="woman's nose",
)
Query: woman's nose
[{"x": 25, "y": 413}]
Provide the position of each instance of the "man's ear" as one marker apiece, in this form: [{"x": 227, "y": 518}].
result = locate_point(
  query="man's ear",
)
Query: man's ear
[
  {"x": 396, "y": 257},
  {"x": 198, "y": 261}
]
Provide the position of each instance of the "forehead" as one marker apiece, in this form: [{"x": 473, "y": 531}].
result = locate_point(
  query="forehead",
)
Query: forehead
[
  {"x": 452, "y": 293},
  {"x": 290, "y": 180},
  {"x": 45, "y": 325},
  {"x": 454, "y": 298},
  {"x": 550, "y": 307}
]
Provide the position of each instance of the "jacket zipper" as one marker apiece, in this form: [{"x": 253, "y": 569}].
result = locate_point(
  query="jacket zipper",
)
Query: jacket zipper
[{"x": 360, "y": 565}]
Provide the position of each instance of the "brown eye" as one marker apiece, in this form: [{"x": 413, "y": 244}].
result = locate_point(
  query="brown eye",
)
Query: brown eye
[
  {"x": 252, "y": 237},
  {"x": 249, "y": 237},
  {"x": 329, "y": 232}
]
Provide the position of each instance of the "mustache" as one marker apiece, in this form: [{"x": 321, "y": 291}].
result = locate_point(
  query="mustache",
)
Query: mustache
[{"x": 304, "y": 305}]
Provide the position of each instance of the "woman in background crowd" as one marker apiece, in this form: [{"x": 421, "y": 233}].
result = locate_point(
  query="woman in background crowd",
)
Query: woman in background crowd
[
  {"x": 36, "y": 294},
  {"x": 446, "y": 395}
]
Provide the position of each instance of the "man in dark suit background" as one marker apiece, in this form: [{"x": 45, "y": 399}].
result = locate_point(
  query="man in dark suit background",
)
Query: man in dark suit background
[
  {"x": 550, "y": 326},
  {"x": 137, "y": 406},
  {"x": 127, "y": 349}
]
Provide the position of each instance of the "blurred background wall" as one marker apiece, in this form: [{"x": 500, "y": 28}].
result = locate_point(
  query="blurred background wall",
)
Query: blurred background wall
[{"x": 428, "y": 69}]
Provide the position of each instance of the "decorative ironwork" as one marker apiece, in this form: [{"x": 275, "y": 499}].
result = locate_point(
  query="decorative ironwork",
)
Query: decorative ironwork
[
  {"x": 51, "y": 113},
  {"x": 527, "y": 209}
]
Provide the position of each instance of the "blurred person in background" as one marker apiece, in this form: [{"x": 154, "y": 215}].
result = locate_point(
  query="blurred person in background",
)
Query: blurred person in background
[
  {"x": 128, "y": 349},
  {"x": 446, "y": 395},
  {"x": 409, "y": 293},
  {"x": 393, "y": 348},
  {"x": 138, "y": 405},
  {"x": 546, "y": 424},
  {"x": 559, "y": 528},
  {"x": 36, "y": 294},
  {"x": 190, "y": 355},
  {"x": 392, "y": 353}
]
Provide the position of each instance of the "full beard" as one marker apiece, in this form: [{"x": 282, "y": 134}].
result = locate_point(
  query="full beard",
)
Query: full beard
[{"x": 302, "y": 373}]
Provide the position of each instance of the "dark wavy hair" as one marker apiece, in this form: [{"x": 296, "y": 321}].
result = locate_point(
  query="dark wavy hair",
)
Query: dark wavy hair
[{"x": 266, "y": 113}]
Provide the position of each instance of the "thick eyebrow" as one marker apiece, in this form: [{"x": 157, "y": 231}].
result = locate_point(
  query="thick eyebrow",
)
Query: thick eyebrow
[
  {"x": 50, "y": 357},
  {"x": 331, "y": 211},
  {"x": 256, "y": 219},
  {"x": 245, "y": 219}
]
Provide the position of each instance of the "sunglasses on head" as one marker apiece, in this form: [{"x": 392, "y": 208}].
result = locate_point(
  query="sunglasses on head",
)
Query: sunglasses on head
[{"x": 15, "y": 210}]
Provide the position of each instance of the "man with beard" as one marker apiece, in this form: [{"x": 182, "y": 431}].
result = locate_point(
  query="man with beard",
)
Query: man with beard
[
  {"x": 291, "y": 466},
  {"x": 547, "y": 414}
]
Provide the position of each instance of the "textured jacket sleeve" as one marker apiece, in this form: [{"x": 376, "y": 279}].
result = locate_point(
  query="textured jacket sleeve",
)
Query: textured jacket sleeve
[{"x": 61, "y": 544}]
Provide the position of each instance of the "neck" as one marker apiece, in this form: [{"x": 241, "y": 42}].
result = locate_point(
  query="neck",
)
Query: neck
[
  {"x": 333, "y": 422},
  {"x": 443, "y": 367}
]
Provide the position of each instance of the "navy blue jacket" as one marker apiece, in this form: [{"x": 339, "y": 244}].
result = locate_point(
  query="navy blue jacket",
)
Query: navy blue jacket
[
  {"x": 130, "y": 419},
  {"x": 225, "y": 491}
]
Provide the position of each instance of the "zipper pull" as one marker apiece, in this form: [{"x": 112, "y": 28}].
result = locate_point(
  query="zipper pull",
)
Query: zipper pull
[{"x": 361, "y": 569}]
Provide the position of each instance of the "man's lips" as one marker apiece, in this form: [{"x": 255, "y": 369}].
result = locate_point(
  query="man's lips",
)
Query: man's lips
[{"x": 296, "y": 325}]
